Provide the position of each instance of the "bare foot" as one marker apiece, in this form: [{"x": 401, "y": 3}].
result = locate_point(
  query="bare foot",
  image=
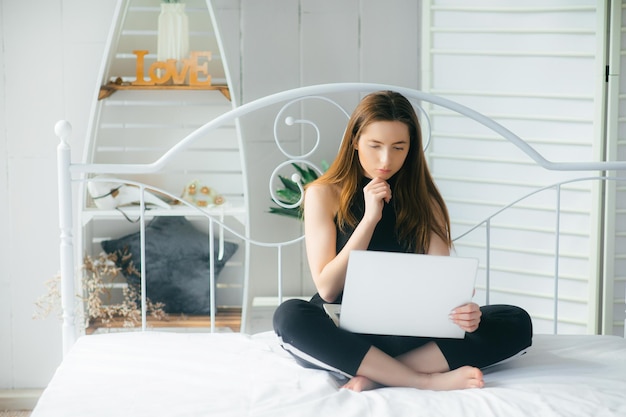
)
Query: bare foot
[
  {"x": 360, "y": 383},
  {"x": 461, "y": 378}
]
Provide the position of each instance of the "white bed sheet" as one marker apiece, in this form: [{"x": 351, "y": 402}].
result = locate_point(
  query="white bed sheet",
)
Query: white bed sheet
[{"x": 201, "y": 374}]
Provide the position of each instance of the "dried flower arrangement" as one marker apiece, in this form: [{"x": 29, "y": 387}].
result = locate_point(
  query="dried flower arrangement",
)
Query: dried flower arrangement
[{"x": 99, "y": 273}]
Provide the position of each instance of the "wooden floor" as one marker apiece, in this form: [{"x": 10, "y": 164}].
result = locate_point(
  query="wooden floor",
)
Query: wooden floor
[{"x": 225, "y": 319}]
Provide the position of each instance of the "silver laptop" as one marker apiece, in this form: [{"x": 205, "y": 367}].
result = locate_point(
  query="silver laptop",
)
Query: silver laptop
[{"x": 404, "y": 294}]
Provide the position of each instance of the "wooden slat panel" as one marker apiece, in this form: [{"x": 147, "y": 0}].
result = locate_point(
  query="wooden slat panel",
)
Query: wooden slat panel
[{"x": 532, "y": 70}]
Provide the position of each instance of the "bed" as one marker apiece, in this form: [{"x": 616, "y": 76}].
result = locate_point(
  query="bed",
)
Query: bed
[{"x": 151, "y": 372}]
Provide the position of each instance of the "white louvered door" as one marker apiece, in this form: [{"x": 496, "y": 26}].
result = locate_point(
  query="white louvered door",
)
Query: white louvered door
[{"x": 537, "y": 67}]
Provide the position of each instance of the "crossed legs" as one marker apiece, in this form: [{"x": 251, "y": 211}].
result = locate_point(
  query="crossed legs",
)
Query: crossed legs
[
  {"x": 422, "y": 368},
  {"x": 371, "y": 360}
]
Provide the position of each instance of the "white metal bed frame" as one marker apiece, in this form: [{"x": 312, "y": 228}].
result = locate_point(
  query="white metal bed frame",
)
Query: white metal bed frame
[{"x": 69, "y": 173}]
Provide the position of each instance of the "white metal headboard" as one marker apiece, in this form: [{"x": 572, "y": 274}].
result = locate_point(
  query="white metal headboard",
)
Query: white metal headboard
[{"x": 69, "y": 173}]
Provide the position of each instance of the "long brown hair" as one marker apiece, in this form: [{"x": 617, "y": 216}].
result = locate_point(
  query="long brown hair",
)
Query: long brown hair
[{"x": 420, "y": 209}]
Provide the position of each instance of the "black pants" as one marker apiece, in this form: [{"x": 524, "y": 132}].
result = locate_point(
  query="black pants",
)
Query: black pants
[{"x": 313, "y": 339}]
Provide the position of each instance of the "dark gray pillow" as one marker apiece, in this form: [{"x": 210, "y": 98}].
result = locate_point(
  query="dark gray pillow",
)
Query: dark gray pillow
[{"x": 177, "y": 263}]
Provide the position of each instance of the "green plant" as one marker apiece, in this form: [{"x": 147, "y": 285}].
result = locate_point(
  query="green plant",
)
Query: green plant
[{"x": 289, "y": 194}]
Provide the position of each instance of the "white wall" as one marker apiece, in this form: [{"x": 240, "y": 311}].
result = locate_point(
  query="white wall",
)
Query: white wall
[
  {"x": 50, "y": 55},
  {"x": 49, "y": 60},
  {"x": 313, "y": 42}
]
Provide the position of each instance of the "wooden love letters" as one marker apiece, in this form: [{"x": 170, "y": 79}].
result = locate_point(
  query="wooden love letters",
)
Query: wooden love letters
[{"x": 170, "y": 72}]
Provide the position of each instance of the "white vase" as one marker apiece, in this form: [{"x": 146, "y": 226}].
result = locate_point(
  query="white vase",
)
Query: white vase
[{"x": 173, "y": 37}]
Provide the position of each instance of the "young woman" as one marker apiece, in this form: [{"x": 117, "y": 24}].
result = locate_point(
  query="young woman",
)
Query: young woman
[{"x": 379, "y": 195}]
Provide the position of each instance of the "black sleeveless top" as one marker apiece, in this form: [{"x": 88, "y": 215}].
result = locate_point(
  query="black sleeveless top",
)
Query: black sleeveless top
[{"x": 384, "y": 237}]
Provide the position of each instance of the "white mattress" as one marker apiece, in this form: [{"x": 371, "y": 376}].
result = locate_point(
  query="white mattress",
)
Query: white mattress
[{"x": 199, "y": 374}]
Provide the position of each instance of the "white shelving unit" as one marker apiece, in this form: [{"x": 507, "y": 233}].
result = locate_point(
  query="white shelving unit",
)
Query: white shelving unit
[{"x": 130, "y": 124}]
